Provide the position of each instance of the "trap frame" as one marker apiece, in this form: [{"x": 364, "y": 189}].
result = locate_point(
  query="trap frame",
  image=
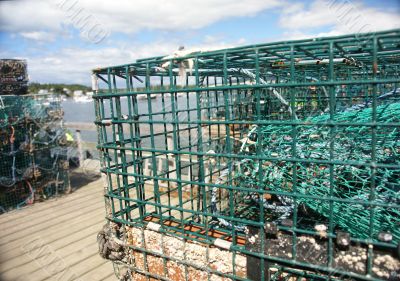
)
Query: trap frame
[
  {"x": 286, "y": 154},
  {"x": 13, "y": 77},
  {"x": 34, "y": 164}
]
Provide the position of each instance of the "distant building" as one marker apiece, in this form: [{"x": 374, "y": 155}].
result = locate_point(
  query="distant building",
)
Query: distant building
[
  {"x": 78, "y": 93},
  {"x": 67, "y": 91},
  {"x": 43, "y": 92}
]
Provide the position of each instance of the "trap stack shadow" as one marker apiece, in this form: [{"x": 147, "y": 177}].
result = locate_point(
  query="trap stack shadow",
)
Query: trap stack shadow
[{"x": 263, "y": 162}]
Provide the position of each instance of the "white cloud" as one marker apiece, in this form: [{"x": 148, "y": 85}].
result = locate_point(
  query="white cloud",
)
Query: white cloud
[
  {"x": 29, "y": 16},
  {"x": 46, "y": 20},
  {"x": 338, "y": 17},
  {"x": 74, "y": 65},
  {"x": 38, "y": 36},
  {"x": 124, "y": 15}
]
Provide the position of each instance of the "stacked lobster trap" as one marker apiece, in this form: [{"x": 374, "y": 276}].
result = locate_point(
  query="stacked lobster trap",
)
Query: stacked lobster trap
[
  {"x": 34, "y": 164},
  {"x": 13, "y": 77},
  {"x": 277, "y": 161}
]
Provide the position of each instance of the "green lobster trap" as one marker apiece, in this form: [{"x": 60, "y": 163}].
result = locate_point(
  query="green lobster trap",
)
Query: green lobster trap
[
  {"x": 277, "y": 161},
  {"x": 33, "y": 146}
]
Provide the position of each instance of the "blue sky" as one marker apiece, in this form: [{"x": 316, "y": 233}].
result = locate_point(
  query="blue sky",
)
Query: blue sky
[{"x": 64, "y": 39}]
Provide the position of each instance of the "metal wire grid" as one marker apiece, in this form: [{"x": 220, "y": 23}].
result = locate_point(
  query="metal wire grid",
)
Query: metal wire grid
[
  {"x": 204, "y": 126},
  {"x": 33, "y": 158},
  {"x": 13, "y": 77}
]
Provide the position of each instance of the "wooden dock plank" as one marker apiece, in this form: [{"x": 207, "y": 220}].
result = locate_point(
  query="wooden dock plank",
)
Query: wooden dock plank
[
  {"x": 16, "y": 218},
  {"x": 45, "y": 206},
  {"x": 110, "y": 277},
  {"x": 56, "y": 234},
  {"x": 100, "y": 273},
  {"x": 66, "y": 248},
  {"x": 38, "y": 225},
  {"x": 52, "y": 261}
]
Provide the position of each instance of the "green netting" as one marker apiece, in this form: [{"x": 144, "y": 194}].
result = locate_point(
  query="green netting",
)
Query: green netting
[
  {"x": 33, "y": 153},
  {"x": 350, "y": 183}
]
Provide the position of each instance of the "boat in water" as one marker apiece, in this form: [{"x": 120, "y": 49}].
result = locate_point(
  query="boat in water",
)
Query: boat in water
[{"x": 83, "y": 99}]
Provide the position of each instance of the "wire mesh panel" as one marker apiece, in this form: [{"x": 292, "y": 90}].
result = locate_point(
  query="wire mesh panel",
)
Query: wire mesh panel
[
  {"x": 271, "y": 162},
  {"x": 33, "y": 157},
  {"x": 13, "y": 77}
]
